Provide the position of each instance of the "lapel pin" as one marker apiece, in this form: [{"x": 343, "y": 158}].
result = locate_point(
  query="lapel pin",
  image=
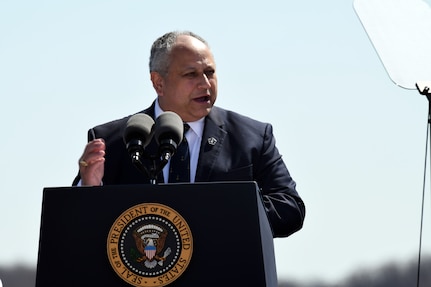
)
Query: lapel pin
[{"x": 212, "y": 141}]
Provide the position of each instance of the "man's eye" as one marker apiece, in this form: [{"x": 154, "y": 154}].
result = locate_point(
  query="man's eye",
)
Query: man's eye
[
  {"x": 190, "y": 75},
  {"x": 209, "y": 73}
]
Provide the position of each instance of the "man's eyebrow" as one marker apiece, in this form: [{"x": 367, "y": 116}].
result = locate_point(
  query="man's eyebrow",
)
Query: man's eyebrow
[{"x": 190, "y": 68}]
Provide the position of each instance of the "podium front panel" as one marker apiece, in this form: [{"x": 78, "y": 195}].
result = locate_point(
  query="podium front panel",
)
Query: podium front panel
[{"x": 232, "y": 240}]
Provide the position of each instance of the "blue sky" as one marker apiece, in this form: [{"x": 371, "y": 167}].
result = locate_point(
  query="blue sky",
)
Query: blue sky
[{"x": 353, "y": 141}]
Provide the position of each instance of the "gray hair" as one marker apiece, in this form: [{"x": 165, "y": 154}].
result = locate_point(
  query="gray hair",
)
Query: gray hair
[{"x": 161, "y": 50}]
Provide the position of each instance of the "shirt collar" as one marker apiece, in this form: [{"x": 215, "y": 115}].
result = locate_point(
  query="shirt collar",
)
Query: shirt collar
[{"x": 196, "y": 126}]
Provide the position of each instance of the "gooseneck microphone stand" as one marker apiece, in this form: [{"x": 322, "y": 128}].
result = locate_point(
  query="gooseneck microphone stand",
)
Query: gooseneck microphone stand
[{"x": 154, "y": 168}]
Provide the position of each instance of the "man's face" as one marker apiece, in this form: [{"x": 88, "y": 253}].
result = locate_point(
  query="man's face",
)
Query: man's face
[{"x": 190, "y": 86}]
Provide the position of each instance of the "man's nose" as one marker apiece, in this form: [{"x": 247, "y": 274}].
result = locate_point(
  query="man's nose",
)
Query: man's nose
[{"x": 205, "y": 82}]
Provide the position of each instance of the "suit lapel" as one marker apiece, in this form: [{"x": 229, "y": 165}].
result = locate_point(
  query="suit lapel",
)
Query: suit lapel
[{"x": 211, "y": 145}]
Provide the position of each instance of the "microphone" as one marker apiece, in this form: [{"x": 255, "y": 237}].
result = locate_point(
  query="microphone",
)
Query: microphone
[
  {"x": 137, "y": 135},
  {"x": 168, "y": 132}
]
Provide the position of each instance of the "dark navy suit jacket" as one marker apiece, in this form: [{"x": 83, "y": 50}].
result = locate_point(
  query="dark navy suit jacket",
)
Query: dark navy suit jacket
[{"x": 244, "y": 151}]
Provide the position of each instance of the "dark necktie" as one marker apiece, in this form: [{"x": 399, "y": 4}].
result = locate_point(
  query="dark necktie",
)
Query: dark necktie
[{"x": 179, "y": 170}]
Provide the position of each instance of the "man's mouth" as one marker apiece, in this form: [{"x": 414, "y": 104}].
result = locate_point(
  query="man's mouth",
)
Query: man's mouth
[{"x": 202, "y": 99}]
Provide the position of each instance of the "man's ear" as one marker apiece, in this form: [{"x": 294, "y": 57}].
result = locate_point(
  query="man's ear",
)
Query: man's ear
[{"x": 158, "y": 82}]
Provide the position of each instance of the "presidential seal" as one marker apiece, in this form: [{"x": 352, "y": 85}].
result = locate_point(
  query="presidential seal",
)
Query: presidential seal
[{"x": 149, "y": 245}]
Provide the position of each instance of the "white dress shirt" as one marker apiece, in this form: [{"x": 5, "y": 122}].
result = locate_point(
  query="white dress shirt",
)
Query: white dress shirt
[{"x": 194, "y": 139}]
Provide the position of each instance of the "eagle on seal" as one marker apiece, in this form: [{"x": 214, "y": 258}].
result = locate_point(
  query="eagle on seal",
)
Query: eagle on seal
[{"x": 150, "y": 240}]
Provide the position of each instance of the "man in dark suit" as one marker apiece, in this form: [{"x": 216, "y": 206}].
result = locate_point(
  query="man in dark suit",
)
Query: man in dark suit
[{"x": 223, "y": 145}]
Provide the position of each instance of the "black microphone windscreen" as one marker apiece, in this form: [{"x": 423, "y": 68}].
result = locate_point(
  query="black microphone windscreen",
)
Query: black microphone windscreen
[
  {"x": 139, "y": 126},
  {"x": 169, "y": 125}
]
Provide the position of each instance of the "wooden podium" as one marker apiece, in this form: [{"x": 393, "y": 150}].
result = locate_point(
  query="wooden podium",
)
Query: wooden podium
[{"x": 230, "y": 244}]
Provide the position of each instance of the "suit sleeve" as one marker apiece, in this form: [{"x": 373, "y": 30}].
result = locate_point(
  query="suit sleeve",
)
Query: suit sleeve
[{"x": 285, "y": 208}]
